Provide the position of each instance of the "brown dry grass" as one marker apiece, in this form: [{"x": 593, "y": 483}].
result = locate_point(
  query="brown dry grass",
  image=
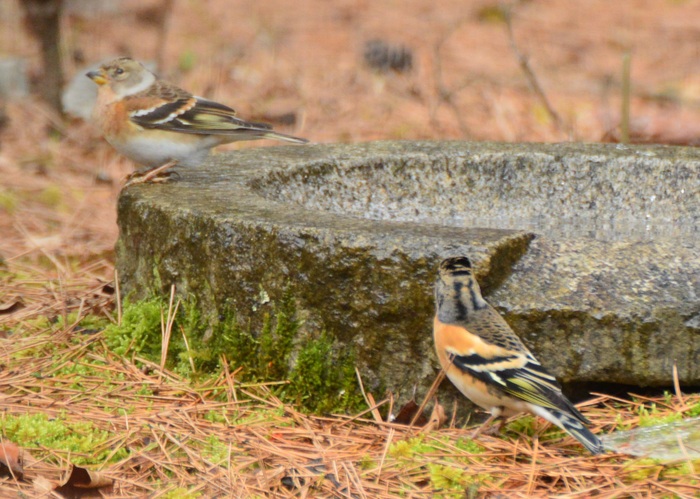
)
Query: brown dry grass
[
  {"x": 258, "y": 446},
  {"x": 59, "y": 185}
]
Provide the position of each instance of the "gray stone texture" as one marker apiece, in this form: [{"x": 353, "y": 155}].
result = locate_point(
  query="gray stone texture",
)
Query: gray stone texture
[{"x": 590, "y": 251}]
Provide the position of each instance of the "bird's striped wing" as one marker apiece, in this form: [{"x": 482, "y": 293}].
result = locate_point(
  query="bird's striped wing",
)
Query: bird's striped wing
[
  {"x": 164, "y": 106},
  {"x": 519, "y": 375},
  {"x": 522, "y": 377},
  {"x": 196, "y": 116}
]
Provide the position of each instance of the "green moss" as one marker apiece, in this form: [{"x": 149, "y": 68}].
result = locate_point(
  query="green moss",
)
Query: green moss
[
  {"x": 262, "y": 416},
  {"x": 468, "y": 445},
  {"x": 180, "y": 493},
  {"x": 683, "y": 469},
  {"x": 493, "y": 14},
  {"x": 139, "y": 331},
  {"x": 45, "y": 327},
  {"x": 93, "y": 323},
  {"x": 449, "y": 469},
  {"x": 216, "y": 451},
  {"x": 408, "y": 449},
  {"x": 8, "y": 201},
  {"x": 322, "y": 379},
  {"x": 651, "y": 416},
  {"x": 286, "y": 330},
  {"x": 51, "y": 196},
  {"x": 85, "y": 443},
  {"x": 36, "y": 349},
  {"x": 453, "y": 481},
  {"x": 186, "y": 61},
  {"x": 89, "y": 323},
  {"x": 145, "y": 391},
  {"x": 447, "y": 479},
  {"x": 367, "y": 463},
  {"x": 525, "y": 425},
  {"x": 216, "y": 417},
  {"x": 641, "y": 469},
  {"x": 421, "y": 445},
  {"x": 638, "y": 470},
  {"x": 694, "y": 411},
  {"x": 85, "y": 368}
]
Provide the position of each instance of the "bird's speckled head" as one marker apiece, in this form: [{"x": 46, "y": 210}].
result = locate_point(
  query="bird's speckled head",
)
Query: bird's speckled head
[
  {"x": 455, "y": 266},
  {"x": 457, "y": 293},
  {"x": 124, "y": 75}
]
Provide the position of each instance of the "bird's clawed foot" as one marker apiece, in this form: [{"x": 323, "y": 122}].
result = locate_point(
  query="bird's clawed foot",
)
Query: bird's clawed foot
[
  {"x": 486, "y": 428},
  {"x": 495, "y": 429},
  {"x": 156, "y": 175}
]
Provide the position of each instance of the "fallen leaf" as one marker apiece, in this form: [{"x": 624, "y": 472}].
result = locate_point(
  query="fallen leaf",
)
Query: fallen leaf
[
  {"x": 11, "y": 306},
  {"x": 408, "y": 412},
  {"x": 437, "y": 417},
  {"x": 11, "y": 460},
  {"x": 43, "y": 485},
  {"x": 79, "y": 480}
]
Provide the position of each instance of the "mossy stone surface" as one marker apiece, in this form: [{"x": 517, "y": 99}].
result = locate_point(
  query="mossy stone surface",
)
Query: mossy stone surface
[{"x": 356, "y": 233}]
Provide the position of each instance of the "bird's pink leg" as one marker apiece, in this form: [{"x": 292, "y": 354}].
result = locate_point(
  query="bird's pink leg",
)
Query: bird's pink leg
[
  {"x": 158, "y": 174},
  {"x": 495, "y": 414}
]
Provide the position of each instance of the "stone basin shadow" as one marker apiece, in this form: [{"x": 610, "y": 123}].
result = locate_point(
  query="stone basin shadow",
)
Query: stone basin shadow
[{"x": 590, "y": 251}]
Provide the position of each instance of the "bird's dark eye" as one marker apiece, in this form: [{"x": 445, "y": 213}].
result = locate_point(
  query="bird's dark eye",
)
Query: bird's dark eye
[{"x": 118, "y": 71}]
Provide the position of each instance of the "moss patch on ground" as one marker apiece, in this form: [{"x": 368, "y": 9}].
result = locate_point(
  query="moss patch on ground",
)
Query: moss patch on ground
[
  {"x": 315, "y": 375},
  {"x": 240, "y": 409}
]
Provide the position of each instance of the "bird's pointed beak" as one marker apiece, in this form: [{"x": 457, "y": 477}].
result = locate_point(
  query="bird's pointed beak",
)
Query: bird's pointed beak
[{"x": 97, "y": 76}]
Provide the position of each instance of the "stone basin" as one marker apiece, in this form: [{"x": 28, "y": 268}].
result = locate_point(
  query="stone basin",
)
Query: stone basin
[{"x": 590, "y": 251}]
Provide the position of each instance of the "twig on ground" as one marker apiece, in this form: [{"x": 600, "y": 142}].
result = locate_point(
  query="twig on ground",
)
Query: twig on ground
[
  {"x": 444, "y": 94},
  {"x": 532, "y": 79}
]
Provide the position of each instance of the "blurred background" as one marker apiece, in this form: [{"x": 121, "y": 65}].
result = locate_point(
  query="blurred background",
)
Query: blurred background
[{"x": 331, "y": 71}]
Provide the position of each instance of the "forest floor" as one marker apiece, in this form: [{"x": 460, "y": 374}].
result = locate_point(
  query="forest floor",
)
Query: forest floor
[{"x": 551, "y": 71}]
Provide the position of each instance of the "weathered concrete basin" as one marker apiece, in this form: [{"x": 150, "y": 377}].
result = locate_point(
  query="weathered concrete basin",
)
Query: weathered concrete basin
[{"x": 590, "y": 251}]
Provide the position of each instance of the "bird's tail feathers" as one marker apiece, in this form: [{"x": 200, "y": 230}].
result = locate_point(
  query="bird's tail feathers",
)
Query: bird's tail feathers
[
  {"x": 284, "y": 137},
  {"x": 577, "y": 430},
  {"x": 573, "y": 427}
]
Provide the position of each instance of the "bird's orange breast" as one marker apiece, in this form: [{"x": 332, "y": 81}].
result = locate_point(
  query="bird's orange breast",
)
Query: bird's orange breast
[
  {"x": 112, "y": 116},
  {"x": 454, "y": 337},
  {"x": 457, "y": 340}
]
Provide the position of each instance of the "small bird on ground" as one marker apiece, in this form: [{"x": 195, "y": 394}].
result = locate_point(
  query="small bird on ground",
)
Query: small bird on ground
[
  {"x": 159, "y": 125},
  {"x": 489, "y": 364}
]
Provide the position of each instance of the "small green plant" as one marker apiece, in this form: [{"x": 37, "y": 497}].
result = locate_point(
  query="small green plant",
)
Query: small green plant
[
  {"x": 468, "y": 445},
  {"x": 187, "y": 61},
  {"x": 8, "y": 201},
  {"x": 216, "y": 417},
  {"x": 641, "y": 469},
  {"x": 651, "y": 416},
  {"x": 276, "y": 345},
  {"x": 694, "y": 411},
  {"x": 367, "y": 463},
  {"x": 448, "y": 462},
  {"x": 525, "y": 425},
  {"x": 320, "y": 378},
  {"x": 51, "y": 196},
  {"x": 417, "y": 446},
  {"x": 453, "y": 481},
  {"x": 181, "y": 493},
  {"x": 448, "y": 478},
  {"x": 140, "y": 330},
  {"x": 323, "y": 381},
  {"x": 85, "y": 443},
  {"x": 216, "y": 451}
]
